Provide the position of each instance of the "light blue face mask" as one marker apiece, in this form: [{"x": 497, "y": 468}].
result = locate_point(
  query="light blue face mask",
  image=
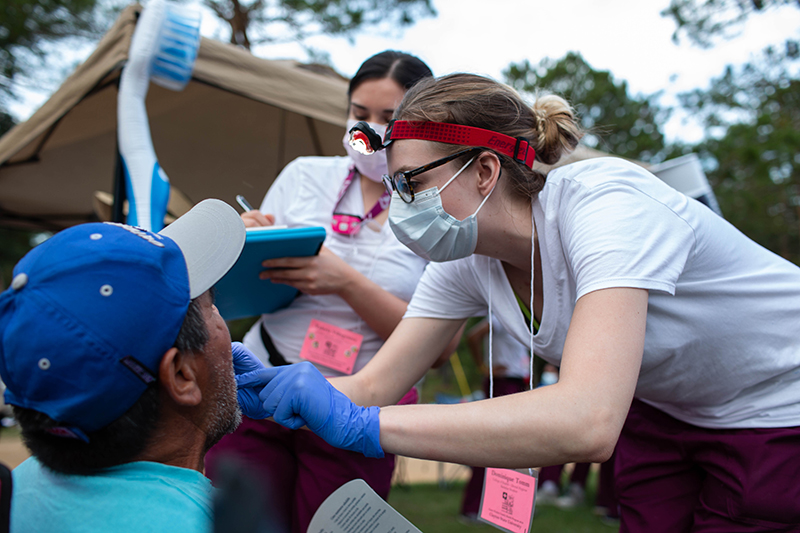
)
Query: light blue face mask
[{"x": 428, "y": 231}]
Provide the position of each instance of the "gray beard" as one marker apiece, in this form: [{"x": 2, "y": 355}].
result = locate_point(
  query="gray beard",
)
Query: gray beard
[{"x": 224, "y": 415}]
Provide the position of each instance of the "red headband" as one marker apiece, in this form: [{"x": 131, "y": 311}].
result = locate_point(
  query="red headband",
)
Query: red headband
[{"x": 518, "y": 149}]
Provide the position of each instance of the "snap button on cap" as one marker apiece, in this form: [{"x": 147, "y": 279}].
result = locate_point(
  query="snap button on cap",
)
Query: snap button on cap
[{"x": 19, "y": 281}]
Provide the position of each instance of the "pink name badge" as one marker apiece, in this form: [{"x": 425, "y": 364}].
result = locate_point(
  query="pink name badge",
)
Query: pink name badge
[
  {"x": 333, "y": 347},
  {"x": 507, "y": 501}
]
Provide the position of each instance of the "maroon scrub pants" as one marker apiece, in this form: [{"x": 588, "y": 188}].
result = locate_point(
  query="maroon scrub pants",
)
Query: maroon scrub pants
[{"x": 675, "y": 477}]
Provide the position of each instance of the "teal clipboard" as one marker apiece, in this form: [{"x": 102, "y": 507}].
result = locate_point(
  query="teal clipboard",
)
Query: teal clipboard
[{"x": 241, "y": 293}]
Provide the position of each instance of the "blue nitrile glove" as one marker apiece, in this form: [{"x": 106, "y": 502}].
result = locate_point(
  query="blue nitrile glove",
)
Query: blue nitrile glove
[
  {"x": 298, "y": 395},
  {"x": 243, "y": 362}
]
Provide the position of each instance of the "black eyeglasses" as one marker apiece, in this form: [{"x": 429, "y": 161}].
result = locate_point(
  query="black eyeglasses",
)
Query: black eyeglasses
[{"x": 399, "y": 181}]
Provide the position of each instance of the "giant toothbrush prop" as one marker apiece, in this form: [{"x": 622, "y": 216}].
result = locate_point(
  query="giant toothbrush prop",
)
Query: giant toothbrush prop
[{"x": 163, "y": 49}]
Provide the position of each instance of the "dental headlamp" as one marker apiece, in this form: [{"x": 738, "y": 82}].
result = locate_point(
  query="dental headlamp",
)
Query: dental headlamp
[{"x": 366, "y": 141}]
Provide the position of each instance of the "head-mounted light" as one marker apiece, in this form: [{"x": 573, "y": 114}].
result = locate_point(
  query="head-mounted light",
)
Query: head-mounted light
[{"x": 364, "y": 140}]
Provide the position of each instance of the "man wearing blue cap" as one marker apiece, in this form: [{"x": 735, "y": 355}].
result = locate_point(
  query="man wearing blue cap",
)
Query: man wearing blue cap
[{"x": 119, "y": 368}]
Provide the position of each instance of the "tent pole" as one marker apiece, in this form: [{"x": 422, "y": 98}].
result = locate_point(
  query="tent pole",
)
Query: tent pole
[
  {"x": 120, "y": 192},
  {"x": 117, "y": 214},
  {"x": 281, "y": 140}
]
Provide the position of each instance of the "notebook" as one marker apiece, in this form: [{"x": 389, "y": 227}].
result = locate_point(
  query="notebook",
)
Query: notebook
[{"x": 241, "y": 293}]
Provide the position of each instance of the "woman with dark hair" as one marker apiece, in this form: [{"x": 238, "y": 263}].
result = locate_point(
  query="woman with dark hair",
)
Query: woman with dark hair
[
  {"x": 677, "y": 337},
  {"x": 357, "y": 289}
]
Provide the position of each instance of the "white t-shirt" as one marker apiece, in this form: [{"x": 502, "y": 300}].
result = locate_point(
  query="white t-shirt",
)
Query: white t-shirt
[
  {"x": 722, "y": 344},
  {"x": 304, "y": 194}
]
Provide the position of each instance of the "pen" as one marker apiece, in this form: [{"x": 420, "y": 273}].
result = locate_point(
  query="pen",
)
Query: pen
[{"x": 244, "y": 203}]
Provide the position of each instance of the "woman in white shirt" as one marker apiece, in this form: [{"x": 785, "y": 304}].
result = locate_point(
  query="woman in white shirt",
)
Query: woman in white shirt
[
  {"x": 645, "y": 299},
  {"x": 358, "y": 287}
]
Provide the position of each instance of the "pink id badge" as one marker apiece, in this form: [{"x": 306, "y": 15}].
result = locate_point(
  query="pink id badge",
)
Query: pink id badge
[
  {"x": 331, "y": 346},
  {"x": 508, "y": 498}
]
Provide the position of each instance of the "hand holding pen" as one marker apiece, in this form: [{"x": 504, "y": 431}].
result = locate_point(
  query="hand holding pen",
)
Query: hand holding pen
[{"x": 253, "y": 217}]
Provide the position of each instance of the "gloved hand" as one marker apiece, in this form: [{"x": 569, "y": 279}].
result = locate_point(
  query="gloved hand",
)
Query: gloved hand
[
  {"x": 297, "y": 395},
  {"x": 243, "y": 362}
]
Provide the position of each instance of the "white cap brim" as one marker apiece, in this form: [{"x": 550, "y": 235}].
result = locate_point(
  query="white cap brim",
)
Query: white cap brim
[{"x": 211, "y": 236}]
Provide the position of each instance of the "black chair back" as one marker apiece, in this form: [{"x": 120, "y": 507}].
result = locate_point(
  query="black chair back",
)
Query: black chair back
[{"x": 5, "y": 498}]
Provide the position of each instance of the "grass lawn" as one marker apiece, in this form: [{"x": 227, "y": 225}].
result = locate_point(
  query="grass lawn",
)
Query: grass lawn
[
  {"x": 435, "y": 510},
  {"x": 12, "y": 432}
]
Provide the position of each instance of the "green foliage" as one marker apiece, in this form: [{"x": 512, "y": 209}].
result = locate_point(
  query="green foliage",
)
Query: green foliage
[
  {"x": 6, "y": 122},
  {"x": 705, "y": 20},
  {"x": 275, "y": 21},
  {"x": 752, "y": 120},
  {"x": 26, "y": 26},
  {"x": 739, "y": 94},
  {"x": 617, "y": 122},
  {"x": 753, "y": 149}
]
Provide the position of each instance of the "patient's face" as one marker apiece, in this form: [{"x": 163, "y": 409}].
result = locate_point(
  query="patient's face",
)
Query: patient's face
[{"x": 219, "y": 395}]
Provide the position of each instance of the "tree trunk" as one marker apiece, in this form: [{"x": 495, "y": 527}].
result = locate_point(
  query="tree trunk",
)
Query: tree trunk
[{"x": 239, "y": 22}]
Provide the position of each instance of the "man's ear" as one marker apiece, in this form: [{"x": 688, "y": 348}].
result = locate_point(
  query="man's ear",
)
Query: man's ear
[
  {"x": 178, "y": 375},
  {"x": 488, "y": 166}
]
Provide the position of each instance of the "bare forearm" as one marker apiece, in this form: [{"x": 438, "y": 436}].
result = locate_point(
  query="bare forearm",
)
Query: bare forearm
[
  {"x": 350, "y": 387},
  {"x": 515, "y": 431},
  {"x": 364, "y": 390}
]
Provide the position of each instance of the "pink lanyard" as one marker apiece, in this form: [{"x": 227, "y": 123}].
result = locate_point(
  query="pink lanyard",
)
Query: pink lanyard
[{"x": 347, "y": 224}]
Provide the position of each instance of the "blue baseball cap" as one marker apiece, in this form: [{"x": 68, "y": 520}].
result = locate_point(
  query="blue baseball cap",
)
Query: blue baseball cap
[{"x": 91, "y": 311}]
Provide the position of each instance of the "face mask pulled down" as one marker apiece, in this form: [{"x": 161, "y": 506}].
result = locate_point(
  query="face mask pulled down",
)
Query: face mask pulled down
[
  {"x": 371, "y": 166},
  {"x": 430, "y": 232}
]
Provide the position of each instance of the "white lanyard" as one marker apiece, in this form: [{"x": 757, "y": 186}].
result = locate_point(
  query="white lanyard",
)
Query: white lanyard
[{"x": 509, "y": 483}]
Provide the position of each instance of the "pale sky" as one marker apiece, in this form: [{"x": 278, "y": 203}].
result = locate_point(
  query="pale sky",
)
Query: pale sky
[{"x": 627, "y": 37}]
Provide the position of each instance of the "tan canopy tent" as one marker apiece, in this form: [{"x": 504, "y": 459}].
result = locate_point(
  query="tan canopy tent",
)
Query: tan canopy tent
[{"x": 230, "y": 131}]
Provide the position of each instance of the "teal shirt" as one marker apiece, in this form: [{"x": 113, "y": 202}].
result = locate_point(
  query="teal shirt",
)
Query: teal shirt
[{"x": 140, "y": 496}]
